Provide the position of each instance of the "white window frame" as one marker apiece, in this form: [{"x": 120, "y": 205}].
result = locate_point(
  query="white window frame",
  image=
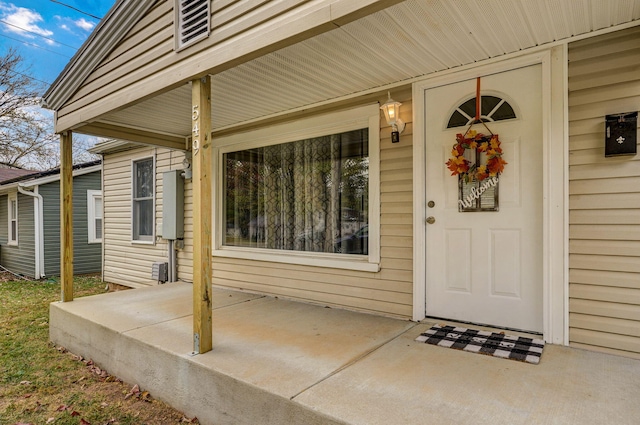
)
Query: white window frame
[
  {"x": 321, "y": 125},
  {"x": 12, "y": 197},
  {"x": 145, "y": 239},
  {"x": 92, "y": 197}
]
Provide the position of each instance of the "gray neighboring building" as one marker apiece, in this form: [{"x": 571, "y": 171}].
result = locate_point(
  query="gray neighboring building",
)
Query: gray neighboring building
[{"x": 30, "y": 222}]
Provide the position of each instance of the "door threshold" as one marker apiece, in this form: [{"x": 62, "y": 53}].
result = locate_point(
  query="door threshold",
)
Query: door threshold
[{"x": 484, "y": 326}]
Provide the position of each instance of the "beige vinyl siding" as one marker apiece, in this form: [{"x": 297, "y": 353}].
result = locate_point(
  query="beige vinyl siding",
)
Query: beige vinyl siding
[
  {"x": 125, "y": 262},
  {"x": 604, "y": 197},
  {"x": 145, "y": 61},
  {"x": 387, "y": 292}
]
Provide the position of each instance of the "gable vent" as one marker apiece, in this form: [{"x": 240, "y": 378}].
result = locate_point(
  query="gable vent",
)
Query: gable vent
[{"x": 193, "y": 21}]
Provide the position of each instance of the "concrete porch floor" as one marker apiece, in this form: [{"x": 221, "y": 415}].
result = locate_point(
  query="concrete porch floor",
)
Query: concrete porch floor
[{"x": 283, "y": 362}]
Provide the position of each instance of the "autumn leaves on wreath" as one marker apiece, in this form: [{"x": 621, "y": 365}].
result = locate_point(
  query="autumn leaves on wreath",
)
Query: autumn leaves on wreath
[{"x": 480, "y": 143}]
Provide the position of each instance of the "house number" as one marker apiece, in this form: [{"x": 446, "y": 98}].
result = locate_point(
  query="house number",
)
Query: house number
[{"x": 195, "y": 115}]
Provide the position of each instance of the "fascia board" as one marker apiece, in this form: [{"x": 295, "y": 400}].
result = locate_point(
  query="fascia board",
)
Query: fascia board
[{"x": 112, "y": 146}]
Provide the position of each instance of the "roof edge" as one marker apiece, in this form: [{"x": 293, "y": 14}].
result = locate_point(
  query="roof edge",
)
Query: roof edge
[
  {"x": 112, "y": 146},
  {"x": 109, "y": 32},
  {"x": 83, "y": 168}
]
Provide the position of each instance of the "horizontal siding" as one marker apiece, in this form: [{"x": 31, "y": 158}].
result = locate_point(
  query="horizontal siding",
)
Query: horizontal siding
[
  {"x": 604, "y": 198},
  {"x": 146, "y": 62},
  {"x": 389, "y": 291},
  {"x": 87, "y": 258},
  {"x": 125, "y": 262},
  {"x": 21, "y": 258}
]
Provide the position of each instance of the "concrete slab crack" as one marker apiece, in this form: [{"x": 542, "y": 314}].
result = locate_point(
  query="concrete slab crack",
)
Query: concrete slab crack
[{"x": 355, "y": 360}]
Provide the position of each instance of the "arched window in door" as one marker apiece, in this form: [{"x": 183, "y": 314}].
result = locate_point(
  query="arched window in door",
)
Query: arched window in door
[{"x": 492, "y": 108}]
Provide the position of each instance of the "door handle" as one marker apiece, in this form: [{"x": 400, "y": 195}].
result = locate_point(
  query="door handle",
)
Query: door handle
[{"x": 431, "y": 220}]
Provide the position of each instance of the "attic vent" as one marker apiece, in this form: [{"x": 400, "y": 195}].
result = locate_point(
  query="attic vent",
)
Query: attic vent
[{"x": 193, "y": 21}]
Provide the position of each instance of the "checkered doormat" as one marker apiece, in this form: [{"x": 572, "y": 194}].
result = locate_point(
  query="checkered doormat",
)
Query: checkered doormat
[{"x": 493, "y": 344}]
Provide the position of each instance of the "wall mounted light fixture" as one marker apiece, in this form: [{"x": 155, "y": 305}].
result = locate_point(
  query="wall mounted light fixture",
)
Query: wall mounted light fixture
[{"x": 392, "y": 114}]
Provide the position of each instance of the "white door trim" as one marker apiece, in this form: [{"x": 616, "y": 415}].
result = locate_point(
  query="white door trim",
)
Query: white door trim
[{"x": 555, "y": 183}]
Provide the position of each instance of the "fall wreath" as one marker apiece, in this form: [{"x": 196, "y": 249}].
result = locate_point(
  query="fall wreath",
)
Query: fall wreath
[{"x": 479, "y": 143}]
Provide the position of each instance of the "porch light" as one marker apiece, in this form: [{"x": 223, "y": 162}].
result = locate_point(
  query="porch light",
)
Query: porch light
[{"x": 392, "y": 114}]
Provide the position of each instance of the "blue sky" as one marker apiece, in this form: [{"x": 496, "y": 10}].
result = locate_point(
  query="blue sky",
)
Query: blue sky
[{"x": 46, "y": 33}]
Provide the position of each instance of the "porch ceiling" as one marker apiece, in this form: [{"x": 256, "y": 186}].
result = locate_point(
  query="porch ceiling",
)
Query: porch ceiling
[{"x": 409, "y": 40}]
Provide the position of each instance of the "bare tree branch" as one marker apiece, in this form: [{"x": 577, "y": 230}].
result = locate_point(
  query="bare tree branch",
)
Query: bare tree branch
[{"x": 27, "y": 137}]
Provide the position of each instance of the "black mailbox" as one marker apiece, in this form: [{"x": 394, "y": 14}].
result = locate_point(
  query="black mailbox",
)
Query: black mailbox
[{"x": 621, "y": 134}]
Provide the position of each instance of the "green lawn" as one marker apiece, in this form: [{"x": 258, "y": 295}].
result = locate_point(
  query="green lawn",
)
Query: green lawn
[{"x": 43, "y": 384}]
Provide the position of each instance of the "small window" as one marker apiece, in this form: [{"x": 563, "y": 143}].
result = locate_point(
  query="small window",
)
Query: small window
[
  {"x": 94, "y": 215},
  {"x": 193, "y": 18},
  {"x": 143, "y": 192},
  {"x": 492, "y": 108},
  {"x": 13, "y": 219}
]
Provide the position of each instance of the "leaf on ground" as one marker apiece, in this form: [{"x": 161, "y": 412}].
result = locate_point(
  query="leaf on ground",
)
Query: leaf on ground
[
  {"x": 135, "y": 391},
  {"x": 25, "y": 382},
  {"x": 83, "y": 422},
  {"x": 74, "y": 413},
  {"x": 62, "y": 408},
  {"x": 50, "y": 420}
]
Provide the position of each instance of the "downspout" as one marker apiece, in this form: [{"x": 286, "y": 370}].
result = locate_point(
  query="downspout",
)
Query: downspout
[
  {"x": 103, "y": 219},
  {"x": 38, "y": 226}
]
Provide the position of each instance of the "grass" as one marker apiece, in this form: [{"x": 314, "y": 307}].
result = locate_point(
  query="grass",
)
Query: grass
[{"x": 43, "y": 384}]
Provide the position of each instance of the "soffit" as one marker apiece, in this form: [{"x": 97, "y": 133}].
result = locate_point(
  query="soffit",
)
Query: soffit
[{"x": 409, "y": 40}]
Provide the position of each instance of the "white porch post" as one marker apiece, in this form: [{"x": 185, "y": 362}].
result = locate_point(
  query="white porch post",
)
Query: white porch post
[
  {"x": 201, "y": 178},
  {"x": 66, "y": 216}
]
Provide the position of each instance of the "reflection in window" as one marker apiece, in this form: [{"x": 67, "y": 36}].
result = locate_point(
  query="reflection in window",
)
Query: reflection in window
[
  {"x": 310, "y": 195},
  {"x": 492, "y": 108},
  {"x": 143, "y": 189}
]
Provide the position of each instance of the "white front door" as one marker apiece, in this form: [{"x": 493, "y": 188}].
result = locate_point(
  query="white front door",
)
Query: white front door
[{"x": 486, "y": 267}]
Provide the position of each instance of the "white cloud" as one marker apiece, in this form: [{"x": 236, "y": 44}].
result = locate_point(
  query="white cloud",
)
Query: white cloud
[
  {"x": 23, "y": 21},
  {"x": 84, "y": 24}
]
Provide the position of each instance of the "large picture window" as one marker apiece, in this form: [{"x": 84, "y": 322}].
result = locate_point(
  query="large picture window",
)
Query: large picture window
[
  {"x": 309, "y": 195},
  {"x": 143, "y": 200}
]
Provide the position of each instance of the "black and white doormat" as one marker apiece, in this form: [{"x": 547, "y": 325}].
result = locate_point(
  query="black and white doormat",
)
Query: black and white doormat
[{"x": 493, "y": 344}]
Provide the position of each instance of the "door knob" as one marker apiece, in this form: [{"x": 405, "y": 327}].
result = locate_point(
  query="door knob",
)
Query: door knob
[{"x": 431, "y": 220}]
